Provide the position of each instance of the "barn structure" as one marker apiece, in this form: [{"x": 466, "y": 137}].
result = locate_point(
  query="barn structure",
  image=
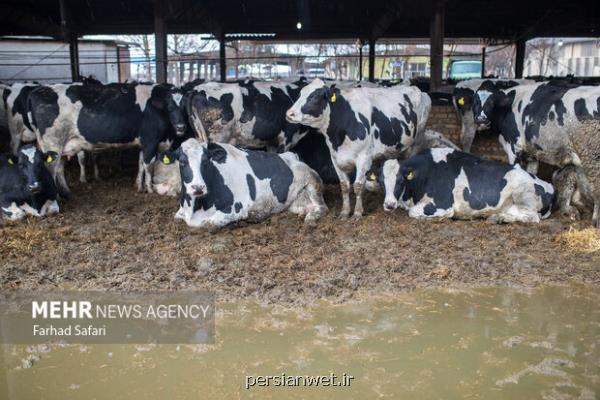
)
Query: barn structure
[{"x": 509, "y": 21}]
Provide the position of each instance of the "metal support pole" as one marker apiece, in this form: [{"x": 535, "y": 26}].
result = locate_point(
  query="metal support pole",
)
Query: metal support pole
[
  {"x": 483, "y": 62},
  {"x": 437, "y": 45},
  {"x": 372, "y": 60},
  {"x": 360, "y": 62},
  {"x": 519, "y": 58},
  {"x": 222, "y": 60},
  {"x": 160, "y": 41}
]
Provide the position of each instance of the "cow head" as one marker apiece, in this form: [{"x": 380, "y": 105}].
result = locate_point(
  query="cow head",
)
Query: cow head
[
  {"x": 313, "y": 106},
  {"x": 191, "y": 155},
  {"x": 168, "y": 99},
  {"x": 31, "y": 163},
  {"x": 463, "y": 100},
  {"x": 394, "y": 178}
]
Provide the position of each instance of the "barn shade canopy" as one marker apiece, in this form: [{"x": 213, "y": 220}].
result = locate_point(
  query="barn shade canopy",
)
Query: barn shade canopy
[{"x": 305, "y": 19}]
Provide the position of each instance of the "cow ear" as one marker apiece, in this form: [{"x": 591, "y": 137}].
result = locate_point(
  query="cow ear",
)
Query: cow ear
[
  {"x": 502, "y": 100},
  {"x": 50, "y": 157},
  {"x": 216, "y": 152},
  {"x": 11, "y": 160},
  {"x": 409, "y": 175}
]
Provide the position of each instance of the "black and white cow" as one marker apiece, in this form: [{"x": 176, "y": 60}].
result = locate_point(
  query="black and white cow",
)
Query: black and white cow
[
  {"x": 533, "y": 121},
  {"x": 447, "y": 183},
  {"x": 14, "y": 99},
  {"x": 26, "y": 185},
  {"x": 360, "y": 125},
  {"x": 222, "y": 184},
  {"x": 464, "y": 100},
  {"x": 71, "y": 118},
  {"x": 250, "y": 114}
]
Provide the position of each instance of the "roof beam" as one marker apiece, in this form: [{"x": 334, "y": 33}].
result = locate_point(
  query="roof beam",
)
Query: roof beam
[{"x": 29, "y": 21}]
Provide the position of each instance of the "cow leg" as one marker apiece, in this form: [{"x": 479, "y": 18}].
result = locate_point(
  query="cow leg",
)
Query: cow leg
[
  {"x": 468, "y": 130},
  {"x": 318, "y": 208},
  {"x": 59, "y": 178},
  {"x": 148, "y": 173},
  {"x": 139, "y": 180},
  {"x": 565, "y": 183},
  {"x": 96, "y": 170},
  {"x": 362, "y": 167},
  {"x": 595, "y": 219},
  {"x": 81, "y": 161},
  {"x": 15, "y": 142},
  {"x": 345, "y": 189}
]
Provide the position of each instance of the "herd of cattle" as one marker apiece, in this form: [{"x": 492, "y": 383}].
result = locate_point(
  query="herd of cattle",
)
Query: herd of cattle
[{"x": 248, "y": 149}]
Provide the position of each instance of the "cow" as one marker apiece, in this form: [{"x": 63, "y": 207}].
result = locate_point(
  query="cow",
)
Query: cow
[
  {"x": 533, "y": 120},
  {"x": 360, "y": 125},
  {"x": 447, "y": 183},
  {"x": 464, "y": 101},
  {"x": 14, "y": 99},
  {"x": 70, "y": 118},
  {"x": 26, "y": 185},
  {"x": 250, "y": 114},
  {"x": 222, "y": 184}
]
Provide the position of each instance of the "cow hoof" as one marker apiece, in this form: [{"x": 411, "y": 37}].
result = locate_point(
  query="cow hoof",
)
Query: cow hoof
[
  {"x": 83, "y": 180},
  {"x": 344, "y": 215},
  {"x": 572, "y": 213},
  {"x": 357, "y": 216}
]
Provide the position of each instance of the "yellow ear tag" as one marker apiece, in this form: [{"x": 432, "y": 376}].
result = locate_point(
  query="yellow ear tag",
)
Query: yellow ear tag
[
  {"x": 333, "y": 98},
  {"x": 410, "y": 176},
  {"x": 373, "y": 177},
  {"x": 49, "y": 159},
  {"x": 461, "y": 101},
  {"x": 10, "y": 161},
  {"x": 166, "y": 160}
]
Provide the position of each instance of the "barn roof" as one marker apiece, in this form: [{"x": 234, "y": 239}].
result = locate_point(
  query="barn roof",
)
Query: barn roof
[{"x": 321, "y": 19}]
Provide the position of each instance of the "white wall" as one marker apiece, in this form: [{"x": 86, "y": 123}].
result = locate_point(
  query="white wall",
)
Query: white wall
[{"x": 30, "y": 60}]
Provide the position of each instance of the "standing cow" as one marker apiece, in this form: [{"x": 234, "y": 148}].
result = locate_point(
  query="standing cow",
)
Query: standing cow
[
  {"x": 26, "y": 185},
  {"x": 465, "y": 102},
  {"x": 447, "y": 183},
  {"x": 14, "y": 99},
  {"x": 533, "y": 121},
  {"x": 249, "y": 114},
  {"x": 360, "y": 125},
  {"x": 71, "y": 118},
  {"x": 222, "y": 184}
]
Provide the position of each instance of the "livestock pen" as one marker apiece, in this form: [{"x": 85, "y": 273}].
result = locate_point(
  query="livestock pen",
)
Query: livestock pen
[{"x": 116, "y": 298}]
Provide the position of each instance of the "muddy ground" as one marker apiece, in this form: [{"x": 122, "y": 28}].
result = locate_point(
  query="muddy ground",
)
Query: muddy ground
[{"x": 110, "y": 237}]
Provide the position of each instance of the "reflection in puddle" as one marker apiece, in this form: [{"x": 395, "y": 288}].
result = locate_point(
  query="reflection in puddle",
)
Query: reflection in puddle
[{"x": 491, "y": 343}]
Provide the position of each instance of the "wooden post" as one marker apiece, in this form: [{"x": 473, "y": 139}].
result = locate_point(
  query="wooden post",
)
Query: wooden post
[
  {"x": 372, "y": 60},
  {"x": 483, "y": 62},
  {"x": 519, "y": 58},
  {"x": 436, "y": 48},
  {"x": 160, "y": 41},
  {"x": 222, "y": 60}
]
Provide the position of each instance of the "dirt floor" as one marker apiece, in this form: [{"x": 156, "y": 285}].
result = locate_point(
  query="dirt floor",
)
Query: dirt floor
[{"x": 110, "y": 237}]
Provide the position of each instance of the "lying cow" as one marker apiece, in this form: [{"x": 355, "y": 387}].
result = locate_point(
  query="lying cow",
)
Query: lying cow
[
  {"x": 26, "y": 185},
  {"x": 466, "y": 102},
  {"x": 446, "y": 183},
  {"x": 360, "y": 125},
  {"x": 222, "y": 184},
  {"x": 71, "y": 118}
]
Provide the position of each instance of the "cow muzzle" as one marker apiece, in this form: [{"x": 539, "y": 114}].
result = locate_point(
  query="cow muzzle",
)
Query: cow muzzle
[
  {"x": 34, "y": 187},
  {"x": 293, "y": 117},
  {"x": 179, "y": 129},
  {"x": 198, "y": 190},
  {"x": 390, "y": 205}
]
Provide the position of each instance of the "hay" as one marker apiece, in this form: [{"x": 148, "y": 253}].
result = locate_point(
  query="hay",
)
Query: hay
[
  {"x": 21, "y": 239},
  {"x": 581, "y": 241}
]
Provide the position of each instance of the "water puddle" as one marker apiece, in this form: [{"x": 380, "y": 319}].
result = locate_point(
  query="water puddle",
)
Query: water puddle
[{"x": 489, "y": 343}]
